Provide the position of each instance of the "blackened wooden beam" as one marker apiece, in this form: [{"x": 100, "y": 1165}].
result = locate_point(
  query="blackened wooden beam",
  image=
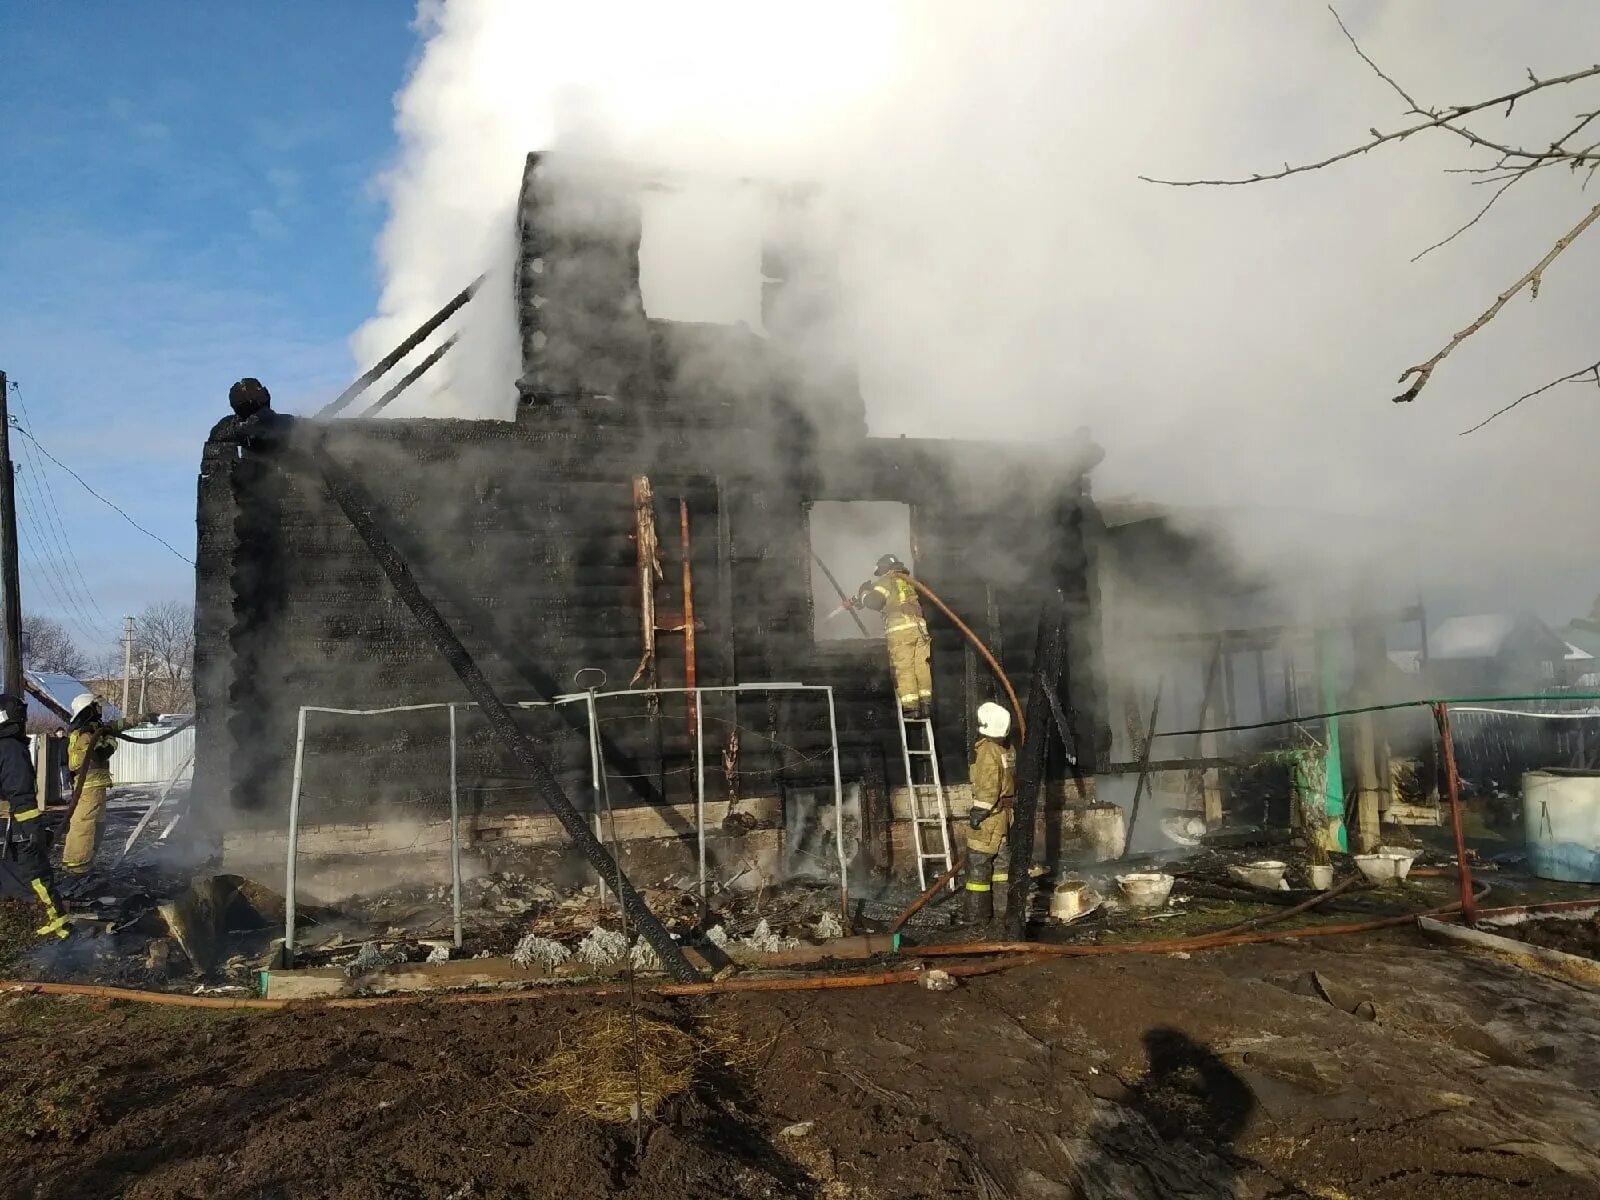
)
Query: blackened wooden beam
[
  {"x": 357, "y": 508},
  {"x": 371, "y": 375},
  {"x": 411, "y": 376},
  {"x": 1051, "y": 645}
]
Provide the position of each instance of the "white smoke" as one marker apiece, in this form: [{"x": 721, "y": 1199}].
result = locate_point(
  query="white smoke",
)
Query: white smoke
[{"x": 1008, "y": 275}]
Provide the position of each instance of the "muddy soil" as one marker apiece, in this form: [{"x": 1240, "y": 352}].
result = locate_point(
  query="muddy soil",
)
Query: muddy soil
[
  {"x": 1572, "y": 937},
  {"x": 1385, "y": 1068}
]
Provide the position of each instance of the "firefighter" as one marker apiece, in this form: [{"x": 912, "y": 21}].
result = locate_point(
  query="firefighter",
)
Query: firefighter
[
  {"x": 25, "y": 856},
  {"x": 905, "y": 634},
  {"x": 91, "y": 741},
  {"x": 989, "y": 819}
]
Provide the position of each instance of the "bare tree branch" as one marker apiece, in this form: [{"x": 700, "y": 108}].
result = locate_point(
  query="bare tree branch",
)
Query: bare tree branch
[
  {"x": 1513, "y": 164},
  {"x": 1438, "y": 120},
  {"x": 1482, "y": 212},
  {"x": 1376, "y": 70},
  {"x": 1589, "y": 374},
  {"x": 1424, "y": 371},
  {"x": 47, "y": 646}
]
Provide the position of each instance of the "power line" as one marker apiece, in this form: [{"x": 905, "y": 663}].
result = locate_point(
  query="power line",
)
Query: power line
[
  {"x": 44, "y": 568},
  {"x": 52, "y": 555},
  {"x": 53, "y": 517},
  {"x": 62, "y": 588},
  {"x": 66, "y": 608},
  {"x": 113, "y": 507}
]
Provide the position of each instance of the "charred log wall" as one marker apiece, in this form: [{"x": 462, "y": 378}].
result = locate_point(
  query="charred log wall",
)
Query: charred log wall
[{"x": 522, "y": 533}]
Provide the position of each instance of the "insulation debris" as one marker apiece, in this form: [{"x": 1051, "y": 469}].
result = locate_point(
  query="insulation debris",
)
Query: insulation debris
[
  {"x": 764, "y": 939},
  {"x": 644, "y": 957},
  {"x": 602, "y": 947},
  {"x": 828, "y": 926},
  {"x": 372, "y": 957},
  {"x": 717, "y": 935},
  {"x": 439, "y": 954},
  {"x": 937, "y": 980},
  {"x": 536, "y": 951}
]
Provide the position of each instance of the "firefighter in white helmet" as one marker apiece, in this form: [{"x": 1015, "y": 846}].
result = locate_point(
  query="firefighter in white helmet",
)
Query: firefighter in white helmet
[
  {"x": 91, "y": 741},
  {"x": 989, "y": 819}
]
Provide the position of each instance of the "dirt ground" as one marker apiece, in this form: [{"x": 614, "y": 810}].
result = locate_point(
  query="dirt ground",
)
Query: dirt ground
[
  {"x": 1377, "y": 1068},
  {"x": 1571, "y": 937}
]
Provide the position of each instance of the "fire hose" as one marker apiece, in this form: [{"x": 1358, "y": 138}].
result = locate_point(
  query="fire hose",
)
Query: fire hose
[
  {"x": 977, "y": 644},
  {"x": 160, "y": 737}
]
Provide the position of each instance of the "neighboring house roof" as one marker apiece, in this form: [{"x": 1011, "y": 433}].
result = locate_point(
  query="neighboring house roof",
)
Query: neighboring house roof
[
  {"x": 1408, "y": 662},
  {"x": 50, "y": 697},
  {"x": 1584, "y": 636},
  {"x": 1488, "y": 635},
  {"x": 1578, "y": 654}
]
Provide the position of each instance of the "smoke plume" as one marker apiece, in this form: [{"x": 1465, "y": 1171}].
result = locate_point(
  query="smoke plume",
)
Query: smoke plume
[{"x": 1003, "y": 273}]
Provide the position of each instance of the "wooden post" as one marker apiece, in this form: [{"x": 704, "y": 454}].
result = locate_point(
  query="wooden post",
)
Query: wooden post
[
  {"x": 127, "y": 664},
  {"x": 10, "y": 577},
  {"x": 1441, "y": 716},
  {"x": 1030, "y": 771},
  {"x": 1371, "y": 798},
  {"x": 1210, "y": 777},
  {"x": 1368, "y": 794}
]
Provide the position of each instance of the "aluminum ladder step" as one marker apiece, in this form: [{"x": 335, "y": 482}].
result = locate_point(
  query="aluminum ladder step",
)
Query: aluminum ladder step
[{"x": 928, "y": 803}]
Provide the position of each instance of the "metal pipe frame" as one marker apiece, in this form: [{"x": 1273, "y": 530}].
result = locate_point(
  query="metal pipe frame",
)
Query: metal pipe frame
[
  {"x": 292, "y": 855},
  {"x": 1441, "y": 716},
  {"x": 595, "y": 777},
  {"x": 455, "y": 836},
  {"x": 588, "y": 698}
]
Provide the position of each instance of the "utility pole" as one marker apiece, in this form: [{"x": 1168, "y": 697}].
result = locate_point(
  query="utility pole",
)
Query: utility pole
[
  {"x": 127, "y": 663},
  {"x": 10, "y": 577}
]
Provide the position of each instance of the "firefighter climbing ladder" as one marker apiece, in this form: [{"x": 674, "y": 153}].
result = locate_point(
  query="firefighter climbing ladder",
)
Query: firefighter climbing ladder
[{"x": 925, "y": 787}]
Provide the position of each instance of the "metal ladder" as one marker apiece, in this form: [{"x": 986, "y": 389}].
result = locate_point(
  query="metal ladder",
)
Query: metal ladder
[{"x": 928, "y": 807}]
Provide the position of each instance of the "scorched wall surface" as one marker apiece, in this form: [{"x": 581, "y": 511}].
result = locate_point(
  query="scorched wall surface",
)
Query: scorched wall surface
[{"x": 522, "y": 533}]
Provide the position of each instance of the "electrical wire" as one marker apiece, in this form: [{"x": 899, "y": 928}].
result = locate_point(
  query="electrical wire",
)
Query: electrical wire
[
  {"x": 54, "y": 586},
  {"x": 41, "y": 564},
  {"x": 46, "y": 566},
  {"x": 109, "y": 504},
  {"x": 1452, "y": 701},
  {"x": 53, "y": 514}
]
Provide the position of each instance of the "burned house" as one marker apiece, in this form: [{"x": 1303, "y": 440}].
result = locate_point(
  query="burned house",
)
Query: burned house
[{"x": 647, "y": 518}]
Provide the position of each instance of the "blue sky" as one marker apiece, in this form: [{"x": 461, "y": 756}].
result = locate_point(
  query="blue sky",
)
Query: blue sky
[{"x": 188, "y": 197}]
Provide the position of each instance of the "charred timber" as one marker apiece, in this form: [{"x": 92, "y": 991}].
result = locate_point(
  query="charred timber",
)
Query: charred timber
[{"x": 357, "y": 508}]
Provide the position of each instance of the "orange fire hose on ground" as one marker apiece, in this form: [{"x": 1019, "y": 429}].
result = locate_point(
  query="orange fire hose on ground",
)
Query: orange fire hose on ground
[{"x": 1017, "y": 954}]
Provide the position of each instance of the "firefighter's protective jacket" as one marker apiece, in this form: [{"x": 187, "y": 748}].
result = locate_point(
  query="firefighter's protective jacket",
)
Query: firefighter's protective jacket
[
  {"x": 895, "y": 596},
  {"x": 993, "y": 773},
  {"x": 92, "y": 747},
  {"x": 993, "y": 781},
  {"x": 16, "y": 779}
]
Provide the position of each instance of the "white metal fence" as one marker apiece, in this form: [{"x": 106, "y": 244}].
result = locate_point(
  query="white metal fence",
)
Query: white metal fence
[
  {"x": 153, "y": 762},
  {"x": 597, "y": 772}
]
